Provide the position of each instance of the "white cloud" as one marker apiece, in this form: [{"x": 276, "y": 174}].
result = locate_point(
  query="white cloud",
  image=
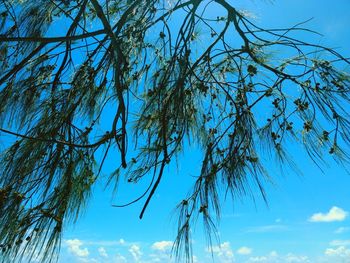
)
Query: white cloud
[
  {"x": 120, "y": 259},
  {"x": 74, "y": 248},
  {"x": 244, "y": 251},
  {"x": 223, "y": 252},
  {"x": 342, "y": 230},
  {"x": 291, "y": 258},
  {"x": 274, "y": 257},
  {"x": 271, "y": 257},
  {"x": 162, "y": 251},
  {"x": 102, "y": 251},
  {"x": 334, "y": 214},
  {"x": 273, "y": 254},
  {"x": 161, "y": 257},
  {"x": 88, "y": 260},
  {"x": 338, "y": 242},
  {"x": 338, "y": 253},
  {"x": 162, "y": 245},
  {"x": 136, "y": 252},
  {"x": 258, "y": 259},
  {"x": 106, "y": 243}
]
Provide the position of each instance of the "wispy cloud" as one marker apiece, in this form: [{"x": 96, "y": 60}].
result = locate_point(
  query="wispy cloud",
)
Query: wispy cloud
[
  {"x": 267, "y": 228},
  {"x": 334, "y": 214},
  {"x": 340, "y": 243},
  {"x": 342, "y": 230}
]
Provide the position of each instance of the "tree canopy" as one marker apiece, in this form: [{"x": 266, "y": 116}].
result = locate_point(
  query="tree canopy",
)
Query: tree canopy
[{"x": 82, "y": 80}]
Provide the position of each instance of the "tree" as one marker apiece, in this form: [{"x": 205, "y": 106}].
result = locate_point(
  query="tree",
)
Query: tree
[{"x": 70, "y": 69}]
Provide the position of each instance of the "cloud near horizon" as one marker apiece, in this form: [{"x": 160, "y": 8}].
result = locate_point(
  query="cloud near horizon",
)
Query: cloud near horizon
[
  {"x": 244, "y": 251},
  {"x": 341, "y": 252},
  {"x": 157, "y": 252},
  {"x": 162, "y": 245},
  {"x": 74, "y": 246},
  {"x": 223, "y": 252}
]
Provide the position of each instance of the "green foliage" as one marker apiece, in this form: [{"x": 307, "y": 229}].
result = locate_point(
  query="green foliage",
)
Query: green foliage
[{"x": 156, "y": 85}]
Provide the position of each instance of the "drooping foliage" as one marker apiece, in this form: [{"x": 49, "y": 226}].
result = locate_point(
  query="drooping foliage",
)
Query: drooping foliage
[{"x": 80, "y": 79}]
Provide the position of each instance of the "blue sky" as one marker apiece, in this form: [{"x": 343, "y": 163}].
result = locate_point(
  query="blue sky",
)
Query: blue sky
[{"x": 307, "y": 218}]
